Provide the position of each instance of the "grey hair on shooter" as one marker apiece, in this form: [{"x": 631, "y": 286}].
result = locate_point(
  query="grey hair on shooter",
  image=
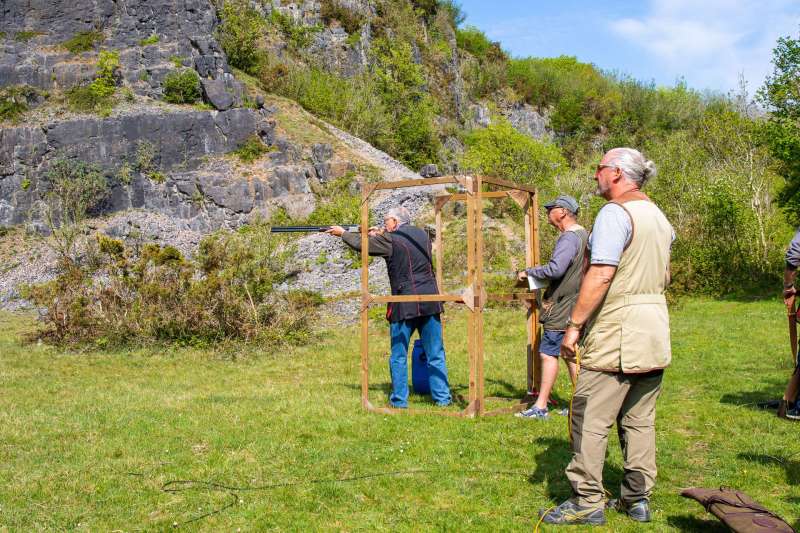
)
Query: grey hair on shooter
[
  {"x": 400, "y": 214},
  {"x": 636, "y": 167}
]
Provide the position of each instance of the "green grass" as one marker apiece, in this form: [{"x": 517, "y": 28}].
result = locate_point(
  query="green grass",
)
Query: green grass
[
  {"x": 83, "y": 41},
  {"x": 87, "y": 440}
]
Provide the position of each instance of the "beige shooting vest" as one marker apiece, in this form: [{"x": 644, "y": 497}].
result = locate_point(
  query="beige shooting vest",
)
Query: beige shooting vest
[{"x": 630, "y": 331}]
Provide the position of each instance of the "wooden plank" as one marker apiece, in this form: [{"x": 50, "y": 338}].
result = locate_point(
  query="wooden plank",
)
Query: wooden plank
[
  {"x": 479, "y": 289},
  {"x": 491, "y": 194},
  {"x": 365, "y": 300},
  {"x": 394, "y": 411},
  {"x": 508, "y": 184},
  {"x": 421, "y": 182},
  {"x": 418, "y": 298}
]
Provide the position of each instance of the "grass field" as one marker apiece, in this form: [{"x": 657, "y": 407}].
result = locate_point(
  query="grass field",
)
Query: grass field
[{"x": 101, "y": 441}]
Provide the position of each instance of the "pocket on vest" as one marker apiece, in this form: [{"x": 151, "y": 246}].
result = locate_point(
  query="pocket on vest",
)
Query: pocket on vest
[
  {"x": 601, "y": 346},
  {"x": 645, "y": 343}
]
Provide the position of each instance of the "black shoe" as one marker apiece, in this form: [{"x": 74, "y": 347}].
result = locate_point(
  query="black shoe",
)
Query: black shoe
[
  {"x": 639, "y": 510},
  {"x": 569, "y": 513}
]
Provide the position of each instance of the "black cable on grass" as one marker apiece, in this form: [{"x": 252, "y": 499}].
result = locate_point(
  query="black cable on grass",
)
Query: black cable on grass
[{"x": 181, "y": 485}]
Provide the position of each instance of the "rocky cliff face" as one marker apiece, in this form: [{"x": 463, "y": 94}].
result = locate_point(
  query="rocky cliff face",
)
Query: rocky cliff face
[
  {"x": 148, "y": 35},
  {"x": 169, "y": 167}
]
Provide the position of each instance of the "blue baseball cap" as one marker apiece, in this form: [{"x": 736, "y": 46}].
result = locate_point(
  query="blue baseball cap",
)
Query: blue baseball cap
[{"x": 566, "y": 201}]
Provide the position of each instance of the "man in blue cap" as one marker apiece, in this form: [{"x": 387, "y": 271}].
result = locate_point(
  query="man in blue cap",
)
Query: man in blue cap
[{"x": 563, "y": 273}]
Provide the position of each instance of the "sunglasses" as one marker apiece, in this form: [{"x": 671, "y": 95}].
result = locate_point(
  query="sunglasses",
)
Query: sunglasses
[{"x": 601, "y": 167}]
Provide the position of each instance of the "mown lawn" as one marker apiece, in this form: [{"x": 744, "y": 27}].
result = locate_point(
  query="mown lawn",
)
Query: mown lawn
[{"x": 92, "y": 441}]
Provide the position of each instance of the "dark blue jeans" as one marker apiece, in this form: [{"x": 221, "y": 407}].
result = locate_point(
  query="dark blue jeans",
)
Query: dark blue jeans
[{"x": 430, "y": 331}]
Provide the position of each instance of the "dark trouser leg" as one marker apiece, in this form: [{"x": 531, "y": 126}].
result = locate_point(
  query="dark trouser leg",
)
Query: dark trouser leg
[
  {"x": 637, "y": 435},
  {"x": 598, "y": 399}
]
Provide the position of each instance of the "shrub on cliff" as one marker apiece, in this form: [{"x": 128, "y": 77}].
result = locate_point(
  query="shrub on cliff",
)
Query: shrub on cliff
[
  {"x": 156, "y": 295},
  {"x": 83, "y": 41},
  {"x": 500, "y": 150},
  {"x": 98, "y": 96},
  {"x": 239, "y": 34},
  {"x": 182, "y": 87},
  {"x": 70, "y": 192},
  {"x": 15, "y": 101}
]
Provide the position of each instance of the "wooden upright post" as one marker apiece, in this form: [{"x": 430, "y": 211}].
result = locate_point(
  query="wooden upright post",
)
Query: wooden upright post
[
  {"x": 365, "y": 299},
  {"x": 537, "y": 366},
  {"x": 531, "y": 325},
  {"x": 479, "y": 293},
  {"x": 439, "y": 248},
  {"x": 471, "y": 348}
]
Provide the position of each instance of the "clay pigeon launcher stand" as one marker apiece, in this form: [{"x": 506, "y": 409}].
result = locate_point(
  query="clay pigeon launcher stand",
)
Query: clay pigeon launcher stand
[{"x": 474, "y": 297}]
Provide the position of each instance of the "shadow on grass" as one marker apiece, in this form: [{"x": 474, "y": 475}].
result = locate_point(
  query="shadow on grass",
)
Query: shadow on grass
[
  {"x": 692, "y": 523},
  {"x": 386, "y": 389},
  {"x": 509, "y": 391},
  {"x": 550, "y": 466},
  {"x": 771, "y": 391},
  {"x": 789, "y": 464}
]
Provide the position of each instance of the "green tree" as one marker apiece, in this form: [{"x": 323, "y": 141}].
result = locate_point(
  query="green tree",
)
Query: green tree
[
  {"x": 781, "y": 95},
  {"x": 500, "y": 150}
]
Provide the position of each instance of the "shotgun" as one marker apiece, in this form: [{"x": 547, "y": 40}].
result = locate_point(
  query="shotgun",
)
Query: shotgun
[{"x": 355, "y": 228}]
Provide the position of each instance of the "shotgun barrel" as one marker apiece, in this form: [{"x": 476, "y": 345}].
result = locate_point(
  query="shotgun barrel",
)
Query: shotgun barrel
[{"x": 311, "y": 229}]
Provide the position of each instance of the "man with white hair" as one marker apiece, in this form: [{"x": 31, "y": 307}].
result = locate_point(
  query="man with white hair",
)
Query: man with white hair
[
  {"x": 407, "y": 251},
  {"x": 621, "y": 321}
]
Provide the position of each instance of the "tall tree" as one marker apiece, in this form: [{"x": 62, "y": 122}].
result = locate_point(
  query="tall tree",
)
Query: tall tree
[{"x": 781, "y": 96}]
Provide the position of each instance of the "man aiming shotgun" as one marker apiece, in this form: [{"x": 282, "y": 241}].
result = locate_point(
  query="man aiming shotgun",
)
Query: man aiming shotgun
[
  {"x": 789, "y": 407},
  {"x": 407, "y": 251}
]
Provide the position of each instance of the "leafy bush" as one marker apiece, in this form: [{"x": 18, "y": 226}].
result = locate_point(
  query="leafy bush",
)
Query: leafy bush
[
  {"x": 83, "y": 41},
  {"x": 72, "y": 190},
  {"x": 298, "y": 35},
  {"x": 401, "y": 84},
  {"x": 227, "y": 293},
  {"x": 26, "y": 35},
  {"x": 15, "y": 101},
  {"x": 240, "y": 33},
  {"x": 153, "y": 39},
  {"x": 500, "y": 150},
  {"x": 350, "y": 20},
  {"x": 476, "y": 43},
  {"x": 98, "y": 95},
  {"x": 182, "y": 87},
  {"x": 251, "y": 149},
  {"x": 349, "y": 103},
  {"x": 339, "y": 205}
]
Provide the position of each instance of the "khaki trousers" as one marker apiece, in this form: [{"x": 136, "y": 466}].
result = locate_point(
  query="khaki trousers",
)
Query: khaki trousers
[{"x": 602, "y": 398}]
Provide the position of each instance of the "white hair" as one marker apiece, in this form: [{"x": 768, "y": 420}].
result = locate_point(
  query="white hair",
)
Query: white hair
[
  {"x": 636, "y": 167},
  {"x": 400, "y": 214}
]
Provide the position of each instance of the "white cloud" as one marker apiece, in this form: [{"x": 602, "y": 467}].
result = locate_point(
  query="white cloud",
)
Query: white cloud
[{"x": 711, "y": 42}]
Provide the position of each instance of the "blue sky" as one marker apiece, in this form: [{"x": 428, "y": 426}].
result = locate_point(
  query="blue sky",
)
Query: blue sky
[{"x": 706, "y": 42}]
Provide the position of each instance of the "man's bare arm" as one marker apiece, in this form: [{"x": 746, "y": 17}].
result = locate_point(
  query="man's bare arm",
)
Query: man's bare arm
[{"x": 594, "y": 287}]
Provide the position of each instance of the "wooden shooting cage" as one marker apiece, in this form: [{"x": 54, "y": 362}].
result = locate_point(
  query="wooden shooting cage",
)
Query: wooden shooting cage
[{"x": 474, "y": 297}]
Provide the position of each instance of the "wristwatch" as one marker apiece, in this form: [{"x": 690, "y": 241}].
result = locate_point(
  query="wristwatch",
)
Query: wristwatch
[{"x": 572, "y": 324}]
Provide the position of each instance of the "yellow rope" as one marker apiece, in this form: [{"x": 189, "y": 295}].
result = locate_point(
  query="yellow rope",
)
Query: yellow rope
[{"x": 536, "y": 527}]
